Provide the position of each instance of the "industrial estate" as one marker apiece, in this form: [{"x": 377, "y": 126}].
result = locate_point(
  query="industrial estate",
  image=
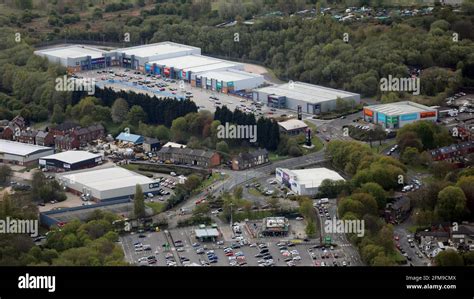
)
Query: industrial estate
[{"x": 177, "y": 150}]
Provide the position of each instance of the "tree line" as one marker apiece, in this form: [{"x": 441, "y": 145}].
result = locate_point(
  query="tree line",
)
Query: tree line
[{"x": 268, "y": 132}]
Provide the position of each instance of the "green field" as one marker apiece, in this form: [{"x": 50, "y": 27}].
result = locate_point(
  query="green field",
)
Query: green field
[{"x": 157, "y": 207}]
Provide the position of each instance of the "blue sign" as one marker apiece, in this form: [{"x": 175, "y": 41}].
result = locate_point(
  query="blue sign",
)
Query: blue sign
[
  {"x": 154, "y": 185},
  {"x": 412, "y": 116},
  {"x": 380, "y": 117}
]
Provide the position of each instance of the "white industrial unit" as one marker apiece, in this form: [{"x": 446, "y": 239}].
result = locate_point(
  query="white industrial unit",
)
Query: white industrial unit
[
  {"x": 236, "y": 79},
  {"x": 313, "y": 99},
  {"x": 108, "y": 183},
  {"x": 396, "y": 115},
  {"x": 137, "y": 57},
  {"x": 22, "y": 153},
  {"x": 76, "y": 57},
  {"x": 305, "y": 181}
]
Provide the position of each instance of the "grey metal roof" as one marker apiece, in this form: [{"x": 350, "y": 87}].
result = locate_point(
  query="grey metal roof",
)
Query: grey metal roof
[
  {"x": 399, "y": 108},
  {"x": 307, "y": 92},
  {"x": 20, "y": 149}
]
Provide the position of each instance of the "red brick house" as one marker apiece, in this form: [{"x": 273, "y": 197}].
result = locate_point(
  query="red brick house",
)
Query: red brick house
[
  {"x": 7, "y": 133},
  {"x": 27, "y": 136},
  {"x": 44, "y": 138},
  {"x": 66, "y": 143}
]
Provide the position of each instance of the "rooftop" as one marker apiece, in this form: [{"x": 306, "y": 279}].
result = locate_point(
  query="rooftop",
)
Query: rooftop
[
  {"x": 72, "y": 157},
  {"x": 313, "y": 177},
  {"x": 229, "y": 75},
  {"x": 187, "y": 152},
  {"x": 162, "y": 48},
  {"x": 21, "y": 149},
  {"x": 206, "y": 232},
  {"x": 107, "y": 178},
  {"x": 292, "y": 124},
  {"x": 127, "y": 137},
  {"x": 306, "y": 92},
  {"x": 74, "y": 51},
  {"x": 191, "y": 62},
  {"x": 398, "y": 108},
  {"x": 174, "y": 144}
]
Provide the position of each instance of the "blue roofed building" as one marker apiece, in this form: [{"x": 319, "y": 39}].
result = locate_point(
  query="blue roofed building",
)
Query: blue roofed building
[{"x": 130, "y": 138}]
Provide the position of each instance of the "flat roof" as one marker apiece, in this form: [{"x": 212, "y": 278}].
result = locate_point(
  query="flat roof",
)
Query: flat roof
[
  {"x": 156, "y": 49},
  {"x": 206, "y": 232},
  {"x": 189, "y": 62},
  {"x": 313, "y": 177},
  {"x": 292, "y": 124},
  {"x": 108, "y": 178},
  {"x": 74, "y": 51},
  {"x": 174, "y": 144},
  {"x": 72, "y": 157},
  {"x": 20, "y": 149},
  {"x": 306, "y": 92},
  {"x": 212, "y": 67},
  {"x": 229, "y": 75},
  {"x": 398, "y": 108}
]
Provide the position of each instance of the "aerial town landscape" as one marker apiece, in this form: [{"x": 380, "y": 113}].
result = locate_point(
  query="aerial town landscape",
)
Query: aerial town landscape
[{"x": 237, "y": 133}]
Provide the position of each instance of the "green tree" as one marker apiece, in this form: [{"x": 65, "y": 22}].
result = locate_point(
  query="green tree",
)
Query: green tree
[
  {"x": 449, "y": 258},
  {"x": 410, "y": 156},
  {"x": 238, "y": 192},
  {"x": 179, "y": 130},
  {"x": 119, "y": 110},
  {"x": 451, "y": 203},
  {"x": 136, "y": 115},
  {"x": 310, "y": 229},
  {"x": 139, "y": 202},
  {"x": 5, "y": 174},
  {"x": 58, "y": 115},
  {"x": 222, "y": 147},
  {"x": 377, "y": 192},
  {"x": 201, "y": 209}
]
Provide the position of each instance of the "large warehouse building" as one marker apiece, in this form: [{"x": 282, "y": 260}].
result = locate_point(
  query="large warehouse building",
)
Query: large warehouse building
[
  {"x": 137, "y": 57},
  {"x": 313, "y": 99},
  {"x": 167, "y": 59},
  {"x": 78, "y": 57},
  {"x": 70, "y": 160},
  {"x": 396, "y": 115},
  {"x": 206, "y": 72},
  {"x": 108, "y": 183},
  {"x": 305, "y": 181},
  {"x": 181, "y": 67},
  {"x": 227, "y": 81},
  {"x": 22, "y": 153}
]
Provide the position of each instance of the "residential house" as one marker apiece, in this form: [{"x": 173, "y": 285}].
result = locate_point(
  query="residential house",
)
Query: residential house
[
  {"x": 398, "y": 210},
  {"x": 44, "y": 138},
  {"x": 7, "y": 133},
  {"x": 27, "y": 136},
  {"x": 463, "y": 237},
  {"x": 195, "y": 157},
  {"x": 64, "y": 129},
  {"x": 67, "y": 142},
  {"x": 18, "y": 122},
  {"x": 249, "y": 160},
  {"x": 453, "y": 152}
]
